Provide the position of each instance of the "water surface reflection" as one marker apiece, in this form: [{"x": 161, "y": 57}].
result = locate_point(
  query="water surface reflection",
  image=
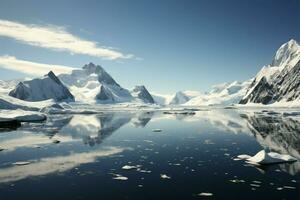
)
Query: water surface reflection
[{"x": 92, "y": 149}]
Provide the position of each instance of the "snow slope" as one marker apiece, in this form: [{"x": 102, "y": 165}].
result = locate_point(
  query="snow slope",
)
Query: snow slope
[
  {"x": 182, "y": 97},
  {"x": 222, "y": 94},
  {"x": 162, "y": 99}
]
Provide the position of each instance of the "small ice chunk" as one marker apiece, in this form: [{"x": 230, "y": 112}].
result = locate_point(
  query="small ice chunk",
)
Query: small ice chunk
[
  {"x": 21, "y": 163},
  {"x": 205, "y": 194},
  {"x": 255, "y": 185},
  {"x": 164, "y": 176},
  {"x": 129, "y": 167},
  {"x": 258, "y": 182},
  {"x": 289, "y": 187},
  {"x": 121, "y": 178},
  {"x": 143, "y": 171},
  {"x": 237, "y": 181}
]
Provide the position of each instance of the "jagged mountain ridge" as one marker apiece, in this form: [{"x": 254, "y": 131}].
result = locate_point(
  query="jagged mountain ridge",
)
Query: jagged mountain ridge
[{"x": 280, "y": 81}]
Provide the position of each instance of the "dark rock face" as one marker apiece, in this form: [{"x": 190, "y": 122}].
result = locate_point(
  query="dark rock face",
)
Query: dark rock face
[
  {"x": 289, "y": 84},
  {"x": 285, "y": 85},
  {"x": 104, "y": 94},
  {"x": 21, "y": 91},
  {"x": 262, "y": 93},
  {"x": 143, "y": 94},
  {"x": 39, "y": 89}
]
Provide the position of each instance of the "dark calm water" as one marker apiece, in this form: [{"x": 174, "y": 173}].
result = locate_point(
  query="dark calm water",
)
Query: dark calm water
[{"x": 194, "y": 154}]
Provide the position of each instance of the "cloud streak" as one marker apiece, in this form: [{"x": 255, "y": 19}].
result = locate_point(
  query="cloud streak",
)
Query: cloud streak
[
  {"x": 31, "y": 68},
  {"x": 58, "y": 39}
]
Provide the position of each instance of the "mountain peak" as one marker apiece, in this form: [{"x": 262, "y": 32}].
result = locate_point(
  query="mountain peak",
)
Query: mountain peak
[
  {"x": 53, "y": 77},
  {"x": 91, "y": 68},
  {"x": 292, "y": 42},
  {"x": 286, "y": 53},
  {"x": 139, "y": 88},
  {"x": 103, "y": 76}
]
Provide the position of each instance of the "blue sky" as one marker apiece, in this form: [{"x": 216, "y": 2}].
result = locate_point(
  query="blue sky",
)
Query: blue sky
[{"x": 165, "y": 45}]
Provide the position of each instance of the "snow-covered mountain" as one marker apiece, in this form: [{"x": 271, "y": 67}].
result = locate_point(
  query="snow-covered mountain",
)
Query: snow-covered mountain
[
  {"x": 278, "y": 82},
  {"x": 182, "y": 97},
  {"x": 39, "y": 89},
  {"x": 93, "y": 84},
  {"x": 140, "y": 92},
  {"x": 222, "y": 94}
]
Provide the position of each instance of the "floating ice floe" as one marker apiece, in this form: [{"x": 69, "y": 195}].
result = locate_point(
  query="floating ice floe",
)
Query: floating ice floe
[
  {"x": 129, "y": 167},
  {"x": 164, "y": 176},
  {"x": 21, "y": 116},
  {"x": 205, "y": 194},
  {"x": 264, "y": 158},
  {"x": 21, "y": 163},
  {"x": 120, "y": 177},
  {"x": 143, "y": 171}
]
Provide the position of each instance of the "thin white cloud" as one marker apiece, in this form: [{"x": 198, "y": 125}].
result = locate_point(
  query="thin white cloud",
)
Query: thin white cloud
[
  {"x": 57, "y": 38},
  {"x": 31, "y": 68}
]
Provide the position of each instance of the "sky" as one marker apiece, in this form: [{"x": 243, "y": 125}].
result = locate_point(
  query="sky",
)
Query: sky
[{"x": 167, "y": 45}]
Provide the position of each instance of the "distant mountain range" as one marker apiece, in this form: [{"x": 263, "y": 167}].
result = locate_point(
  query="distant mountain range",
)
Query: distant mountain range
[{"x": 277, "y": 83}]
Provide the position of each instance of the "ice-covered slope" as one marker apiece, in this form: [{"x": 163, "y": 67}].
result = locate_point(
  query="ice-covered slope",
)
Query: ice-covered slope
[
  {"x": 39, "y": 89},
  {"x": 182, "y": 97},
  {"x": 140, "y": 92},
  {"x": 93, "y": 84},
  {"x": 161, "y": 99},
  {"x": 280, "y": 81},
  {"x": 222, "y": 94}
]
